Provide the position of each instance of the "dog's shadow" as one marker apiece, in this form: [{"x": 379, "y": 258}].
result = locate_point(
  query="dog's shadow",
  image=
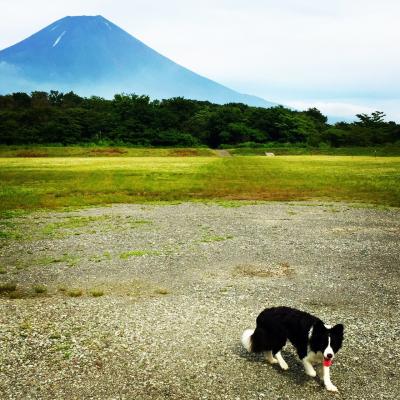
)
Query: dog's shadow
[{"x": 295, "y": 374}]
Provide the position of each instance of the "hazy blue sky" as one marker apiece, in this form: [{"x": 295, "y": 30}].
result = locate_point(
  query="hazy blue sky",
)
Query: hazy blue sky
[{"x": 339, "y": 55}]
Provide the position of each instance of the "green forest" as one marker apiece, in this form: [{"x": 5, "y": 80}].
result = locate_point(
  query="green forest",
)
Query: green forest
[{"x": 129, "y": 119}]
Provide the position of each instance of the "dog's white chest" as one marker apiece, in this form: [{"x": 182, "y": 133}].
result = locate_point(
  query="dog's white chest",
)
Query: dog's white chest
[{"x": 315, "y": 357}]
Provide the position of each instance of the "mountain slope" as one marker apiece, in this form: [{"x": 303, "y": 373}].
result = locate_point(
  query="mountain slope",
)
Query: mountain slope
[{"x": 93, "y": 56}]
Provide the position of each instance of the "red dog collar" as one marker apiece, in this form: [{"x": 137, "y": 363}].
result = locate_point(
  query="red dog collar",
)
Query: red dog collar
[{"x": 327, "y": 362}]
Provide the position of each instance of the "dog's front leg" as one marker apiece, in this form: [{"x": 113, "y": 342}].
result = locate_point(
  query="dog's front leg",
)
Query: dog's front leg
[
  {"x": 326, "y": 376},
  {"x": 310, "y": 371}
]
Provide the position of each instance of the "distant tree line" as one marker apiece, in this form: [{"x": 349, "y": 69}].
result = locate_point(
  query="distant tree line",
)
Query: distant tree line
[{"x": 66, "y": 118}]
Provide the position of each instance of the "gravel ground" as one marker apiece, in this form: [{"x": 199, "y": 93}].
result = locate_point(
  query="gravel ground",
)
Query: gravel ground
[{"x": 181, "y": 282}]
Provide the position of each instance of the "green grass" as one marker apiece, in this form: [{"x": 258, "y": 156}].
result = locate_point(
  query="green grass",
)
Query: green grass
[
  {"x": 234, "y": 203},
  {"x": 380, "y": 151},
  {"x": 40, "y": 289},
  {"x": 97, "y": 293},
  {"x": 35, "y": 151},
  {"x": 8, "y": 229},
  {"x": 137, "y": 253},
  {"x": 75, "y": 293},
  {"x": 7, "y": 287},
  {"x": 372, "y": 180},
  {"x": 68, "y": 259},
  {"x": 101, "y": 257},
  {"x": 210, "y": 238},
  {"x": 100, "y": 151},
  {"x": 37, "y": 183},
  {"x": 6, "y": 235},
  {"x": 70, "y": 223}
]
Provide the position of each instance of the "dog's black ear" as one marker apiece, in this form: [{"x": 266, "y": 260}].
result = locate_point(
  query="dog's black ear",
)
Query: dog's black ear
[
  {"x": 338, "y": 330},
  {"x": 337, "y": 333}
]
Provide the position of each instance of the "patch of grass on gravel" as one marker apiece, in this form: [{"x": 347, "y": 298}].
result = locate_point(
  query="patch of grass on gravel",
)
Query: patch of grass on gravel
[
  {"x": 69, "y": 259},
  {"x": 66, "y": 258},
  {"x": 97, "y": 293},
  {"x": 55, "y": 336},
  {"x": 101, "y": 257},
  {"x": 8, "y": 214},
  {"x": 138, "y": 253},
  {"x": 24, "y": 328},
  {"x": 234, "y": 203},
  {"x": 40, "y": 289},
  {"x": 8, "y": 287},
  {"x": 65, "y": 349},
  {"x": 3, "y": 270},
  {"x": 9, "y": 230},
  {"x": 263, "y": 271},
  {"x": 75, "y": 292},
  {"x": 14, "y": 291},
  {"x": 210, "y": 238},
  {"x": 6, "y": 235},
  {"x": 43, "y": 261},
  {"x": 17, "y": 293},
  {"x": 58, "y": 229}
]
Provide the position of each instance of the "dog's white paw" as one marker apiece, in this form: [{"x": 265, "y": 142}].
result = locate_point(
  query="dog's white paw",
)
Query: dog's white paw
[
  {"x": 331, "y": 388},
  {"x": 284, "y": 365},
  {"x": 270, "y": 358},
  {"x": 281, "y": 361},
  {"x": 311, "y": 372}
]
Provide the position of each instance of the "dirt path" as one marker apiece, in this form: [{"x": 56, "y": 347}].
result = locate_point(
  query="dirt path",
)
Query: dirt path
[{"x": 180, "y": 284}]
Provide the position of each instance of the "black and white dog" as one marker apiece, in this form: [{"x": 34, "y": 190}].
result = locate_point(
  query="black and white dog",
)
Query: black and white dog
[{"x": 314, "y": 341}]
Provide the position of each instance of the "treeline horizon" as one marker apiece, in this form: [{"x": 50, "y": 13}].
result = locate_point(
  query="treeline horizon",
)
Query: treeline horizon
[{"x": 129, "y": 119}]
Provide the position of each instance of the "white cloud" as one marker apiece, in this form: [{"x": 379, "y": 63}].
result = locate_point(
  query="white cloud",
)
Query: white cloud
[
  {"x": 348, "y": 110},
  {"x": 286, "y": 50}
]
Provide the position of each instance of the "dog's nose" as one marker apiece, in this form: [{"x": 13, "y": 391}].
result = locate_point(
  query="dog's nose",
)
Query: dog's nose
[{"x": 329, "y": 355}]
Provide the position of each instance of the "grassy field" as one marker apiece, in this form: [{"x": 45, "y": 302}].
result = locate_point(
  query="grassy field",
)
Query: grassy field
[
  {"x": 32, "y": 183},
  {"x": 123, "y": 151},
  {"x": 100, "y": 151},
  {"x": 379, "y": 151}
]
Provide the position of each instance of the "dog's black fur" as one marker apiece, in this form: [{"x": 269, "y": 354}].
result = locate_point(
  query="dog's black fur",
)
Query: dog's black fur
[{"x": 278, "y": 324}]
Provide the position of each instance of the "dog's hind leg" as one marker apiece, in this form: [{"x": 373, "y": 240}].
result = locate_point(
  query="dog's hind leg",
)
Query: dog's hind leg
[{"x": 279, "y": 339}]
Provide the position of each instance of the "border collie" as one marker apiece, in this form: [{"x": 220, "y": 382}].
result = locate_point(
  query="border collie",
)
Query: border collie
[{"x": 313, "y": 340}]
